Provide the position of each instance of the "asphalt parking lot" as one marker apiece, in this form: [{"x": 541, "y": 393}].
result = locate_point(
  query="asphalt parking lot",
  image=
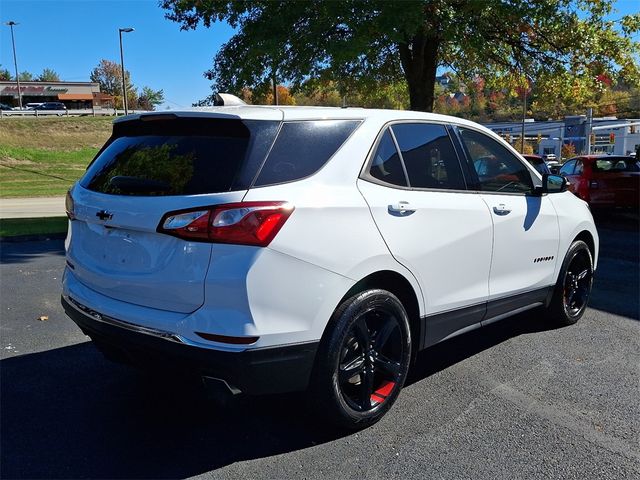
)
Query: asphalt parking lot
[{"x": 518, "y": 399}]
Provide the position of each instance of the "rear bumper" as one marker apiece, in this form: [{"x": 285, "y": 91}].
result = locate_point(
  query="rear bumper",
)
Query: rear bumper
[{"x": 254, "y": 371}]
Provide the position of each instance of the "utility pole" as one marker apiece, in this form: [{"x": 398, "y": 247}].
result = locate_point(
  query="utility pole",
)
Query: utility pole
[
  {"x": 15, "y": 62},
  {"x": 561, "y": 144},
  {"x": 524, "y": 115},
  {"x": 275, "y": 86},
  {"x": 587, "y": 132}
]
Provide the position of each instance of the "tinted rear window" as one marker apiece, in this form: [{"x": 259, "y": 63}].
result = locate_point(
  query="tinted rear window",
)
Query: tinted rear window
[
  {"x": 180, "y": 156},
  {"x": 386, "y": 165},
  {"x": 303, "y": 148},
  {"x": 616, "y": 164}
]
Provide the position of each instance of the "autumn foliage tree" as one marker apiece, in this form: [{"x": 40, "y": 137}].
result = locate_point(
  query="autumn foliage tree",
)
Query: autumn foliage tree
[
  {"x": 568, "y": 150},
  {"x": 380, "y": 42},
  {"x": 108, "y": 75}
]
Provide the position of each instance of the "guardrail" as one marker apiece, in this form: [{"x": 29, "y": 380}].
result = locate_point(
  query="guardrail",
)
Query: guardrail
[{"x": 66, "y": 113}]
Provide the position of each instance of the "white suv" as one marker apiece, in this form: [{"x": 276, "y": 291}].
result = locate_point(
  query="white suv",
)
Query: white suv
[{"x": 278, "y": 249}]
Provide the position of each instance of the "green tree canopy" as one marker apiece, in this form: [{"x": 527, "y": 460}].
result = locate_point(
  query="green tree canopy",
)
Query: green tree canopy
[
  {"x": 149, "y": 99},
  {"x": 48, "y": 75},
  {"x": 26, "y": 76},
  {"x": 5, "y": 74},
  {"x": 353, "y": 42}
]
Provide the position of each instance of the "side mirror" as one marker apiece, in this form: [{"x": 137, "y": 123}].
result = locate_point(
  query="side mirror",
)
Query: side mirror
[{"x": 553, "y": 183}]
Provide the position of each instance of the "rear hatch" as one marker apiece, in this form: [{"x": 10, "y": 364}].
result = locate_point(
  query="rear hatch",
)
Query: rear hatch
[{"x": 152, "y": 165}]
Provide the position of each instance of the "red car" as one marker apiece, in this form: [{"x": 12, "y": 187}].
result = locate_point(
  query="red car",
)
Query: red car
[
  {"x": 537, "y": 162},
  {"x": 604, "y": 180}
]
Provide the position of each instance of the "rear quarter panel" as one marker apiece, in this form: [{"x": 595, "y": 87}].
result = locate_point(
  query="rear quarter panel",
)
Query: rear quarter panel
[{"x": 331, "y": 226}]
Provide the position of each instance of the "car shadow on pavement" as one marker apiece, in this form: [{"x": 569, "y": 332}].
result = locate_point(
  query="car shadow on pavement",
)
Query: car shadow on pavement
[
  {"x": 25, "y": 251},
  {"x": 69, "y": 413}
]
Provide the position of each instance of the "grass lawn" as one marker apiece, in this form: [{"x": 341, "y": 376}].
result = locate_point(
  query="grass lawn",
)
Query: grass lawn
[
  {"x": 10, "y": 227},
  {"x": 44, "y": 156}
]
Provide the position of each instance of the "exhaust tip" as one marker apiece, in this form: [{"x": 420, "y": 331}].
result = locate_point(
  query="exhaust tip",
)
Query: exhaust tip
[{"x": 217, "y": 387}]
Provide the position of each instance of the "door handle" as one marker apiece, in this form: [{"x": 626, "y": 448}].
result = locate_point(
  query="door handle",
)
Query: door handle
[
  {"x": 501, "y": 209},
  {"x": 401, "y": 207}
]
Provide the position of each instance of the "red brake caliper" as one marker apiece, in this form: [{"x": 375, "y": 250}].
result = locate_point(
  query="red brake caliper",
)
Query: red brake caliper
[{"x": 381, "y": 394}]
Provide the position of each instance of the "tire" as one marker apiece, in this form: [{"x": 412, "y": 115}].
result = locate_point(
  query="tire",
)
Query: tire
[
  {"x": 363, "y": 360},
  {"x": 573, "y": 288}
]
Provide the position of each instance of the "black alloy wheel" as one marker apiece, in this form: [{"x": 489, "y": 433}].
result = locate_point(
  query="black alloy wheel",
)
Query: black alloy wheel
[
  {"x": 363, "y": 359},
  {"x": 573, "y": 289},
  {"x": 370, "y": 360},
  {"x": 577, "y": 283}
]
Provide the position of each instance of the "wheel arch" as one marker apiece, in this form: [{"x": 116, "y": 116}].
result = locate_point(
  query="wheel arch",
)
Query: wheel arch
[
  {"x": 587, "y": 238},
  {"x": 402, "y": 288},
  {"x": 585, "y": 234}
]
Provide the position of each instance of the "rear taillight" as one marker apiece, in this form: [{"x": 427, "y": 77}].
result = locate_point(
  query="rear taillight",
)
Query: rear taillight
[
  {"x": 68, "y": 206},
  {"x": 246, "y": 223}
]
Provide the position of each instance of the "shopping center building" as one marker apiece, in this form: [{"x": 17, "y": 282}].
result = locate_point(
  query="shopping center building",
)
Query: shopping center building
[
  {"x": 75, "y": 95},
  {"x": 610, "y": 135}
]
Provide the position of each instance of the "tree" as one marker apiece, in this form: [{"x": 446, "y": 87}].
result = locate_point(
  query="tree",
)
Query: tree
[
  {"x": 568, "y": 150},
  {"x": 528, "y": 148},
  {"x": 5, "y": 75},
  {"x": 360, "y": 41},
  {"x": 265, "y": 97},
  {"x": 149, "y": 99},
  {"x": 320, "y": 93},
  {"x": 26, "y": 76},
  {"x": 48, "y": 75},
  {"x": 109, "y": 75}
]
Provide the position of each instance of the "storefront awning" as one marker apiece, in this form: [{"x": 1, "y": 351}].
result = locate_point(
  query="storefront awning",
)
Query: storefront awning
[{"x": 75, "y": 96}]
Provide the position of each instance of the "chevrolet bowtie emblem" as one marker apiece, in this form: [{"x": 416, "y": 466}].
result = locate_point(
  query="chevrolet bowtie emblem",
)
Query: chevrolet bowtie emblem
[{"x": 104, "y": 215}]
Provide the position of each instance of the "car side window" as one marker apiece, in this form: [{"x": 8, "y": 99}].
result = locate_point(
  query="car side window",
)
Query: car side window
[
  {"x": 579, "y": 168},
  {"x": 567, "y": 168},
  {"x": 386, "y": 165},
  {"x": 302, "y": 148},
  {"x": 497, "y": 168},
  {"x": 429, "y": 156}
]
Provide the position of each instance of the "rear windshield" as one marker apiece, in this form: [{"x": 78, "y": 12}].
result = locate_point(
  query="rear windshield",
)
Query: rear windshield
[
  {"x": 187, "y": 156},
  {"x": 620, "y": 164},
  {"x": 180, "y": 156}
]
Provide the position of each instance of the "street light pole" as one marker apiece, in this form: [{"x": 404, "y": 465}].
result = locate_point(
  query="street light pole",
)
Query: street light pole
[
  {"x": 524, "y": 116},
  {"x": 124, "y": 82},
  {"x": 15, "y": 61}
]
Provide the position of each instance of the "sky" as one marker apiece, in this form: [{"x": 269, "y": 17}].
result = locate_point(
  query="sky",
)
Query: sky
[{"x": 72, "y": 36}]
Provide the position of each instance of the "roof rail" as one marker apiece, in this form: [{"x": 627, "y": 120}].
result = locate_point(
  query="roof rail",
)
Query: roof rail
[{"x": 227, "y": 100}]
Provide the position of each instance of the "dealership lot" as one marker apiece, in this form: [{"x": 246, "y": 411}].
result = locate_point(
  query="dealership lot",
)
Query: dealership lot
[{"x": 518, "y": 399}]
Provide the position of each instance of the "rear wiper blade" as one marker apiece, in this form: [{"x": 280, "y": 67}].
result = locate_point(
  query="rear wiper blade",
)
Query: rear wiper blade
[{"x": 137, "y": 184}]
